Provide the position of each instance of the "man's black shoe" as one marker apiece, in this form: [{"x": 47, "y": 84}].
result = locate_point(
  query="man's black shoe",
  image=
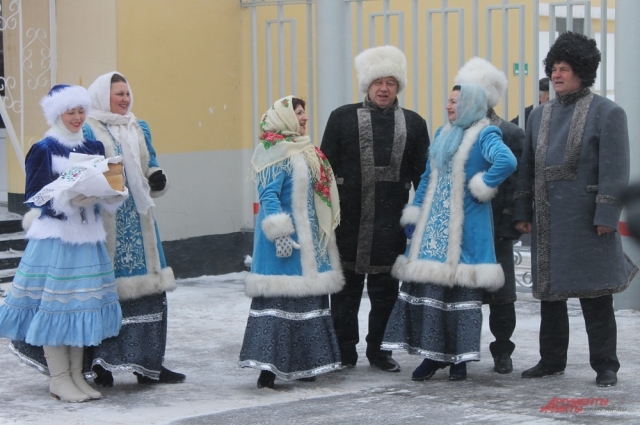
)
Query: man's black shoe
[
  {"x": 385, "y": 362},
  {"x": 540, "y": 370},
  {"x": 349, "y": 357},
  {"x": 607, "y": 378},
  {"x": 502, "y": 363}
]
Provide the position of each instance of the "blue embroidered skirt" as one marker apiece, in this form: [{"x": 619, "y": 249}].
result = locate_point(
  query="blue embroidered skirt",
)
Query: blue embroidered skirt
[
  {"x": 291, "y": 337},
  {"x": 62, "y": 294},
  {"x": 437, "y": 322}
]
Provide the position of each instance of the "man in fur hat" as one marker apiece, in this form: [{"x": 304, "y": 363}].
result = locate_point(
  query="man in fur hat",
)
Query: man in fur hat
[
  {"x": 377, "y": 150},
  {"x": 574, "y": 166},
  {"x": 502, "y": 310}
]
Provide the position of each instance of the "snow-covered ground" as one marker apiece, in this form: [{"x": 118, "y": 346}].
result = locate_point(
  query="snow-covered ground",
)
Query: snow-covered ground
[{"x": 207, "y": 316}]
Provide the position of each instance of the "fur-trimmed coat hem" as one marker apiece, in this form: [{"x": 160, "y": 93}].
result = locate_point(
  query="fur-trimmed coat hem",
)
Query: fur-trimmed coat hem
[
  {"x": 134, "y": 287},
  {"x": 489, "y": 277},
  {"x": 257, "y": 285}
]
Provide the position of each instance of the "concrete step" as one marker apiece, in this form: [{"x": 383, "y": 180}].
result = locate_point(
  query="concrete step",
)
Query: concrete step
[
  {"x": 10, "y": 226},
  {"x": 6, "y": 276},
  {"x": 15, "y": 241},
  {"x": 10, "y": 259}
]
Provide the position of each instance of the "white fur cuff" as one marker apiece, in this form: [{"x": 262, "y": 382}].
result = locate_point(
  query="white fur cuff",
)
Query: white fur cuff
[
  {"x": 157, "y": 193},
  {"x": 480, "y": 190},
  {"x": 410, "y": 215},
  {"x": 277, "y": 225},
  {"x": 33, "y": 214}
]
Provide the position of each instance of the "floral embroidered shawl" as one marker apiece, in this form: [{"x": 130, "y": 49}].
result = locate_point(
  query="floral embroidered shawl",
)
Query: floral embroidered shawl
[{"x": 280, "y": 139}]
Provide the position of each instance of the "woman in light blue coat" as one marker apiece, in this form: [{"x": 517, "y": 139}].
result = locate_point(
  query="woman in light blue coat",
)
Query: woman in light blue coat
[
  {"x": 451, "y": 259},
  {"x": 295, "y": 264}
]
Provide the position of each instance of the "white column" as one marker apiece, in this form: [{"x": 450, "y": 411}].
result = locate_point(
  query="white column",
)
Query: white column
[
  {"x": 627, "y": 87},
  {"x": 332, "y": 38}
]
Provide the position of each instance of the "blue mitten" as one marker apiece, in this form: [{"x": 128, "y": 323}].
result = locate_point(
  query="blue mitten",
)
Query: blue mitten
[{"x": 409, "y": 230}]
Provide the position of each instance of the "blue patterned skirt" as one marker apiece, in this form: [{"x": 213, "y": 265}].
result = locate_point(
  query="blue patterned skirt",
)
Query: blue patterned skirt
[
  {"x": 291, "y": 337},
  {"x": 62, "y": 294},
  {"x": 439, "y": 323},
  {"x": 141, "y": 343}
]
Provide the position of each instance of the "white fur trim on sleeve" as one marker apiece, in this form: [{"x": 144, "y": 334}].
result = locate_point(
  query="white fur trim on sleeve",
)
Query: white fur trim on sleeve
[
  {"x": 277, "y": 225},
  {"x": 28, "y": 218},
  {"x": 480, "y": 190},
  {"x": 410, "y": 215}
]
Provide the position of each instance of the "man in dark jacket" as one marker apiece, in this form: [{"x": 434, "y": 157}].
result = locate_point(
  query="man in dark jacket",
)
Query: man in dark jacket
[
  {"x": 377, "y": 151},
  {"x": 502, "y": 311},
  {"x": 573, "y": 169},
  {"x": 543, "y": 97}
]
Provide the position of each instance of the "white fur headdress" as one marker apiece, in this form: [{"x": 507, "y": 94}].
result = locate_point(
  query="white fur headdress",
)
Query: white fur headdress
[
  {"x": 380, "y": 62},
  {"x": 481, "y": 72},
  {"x": 63, "y": 97}
]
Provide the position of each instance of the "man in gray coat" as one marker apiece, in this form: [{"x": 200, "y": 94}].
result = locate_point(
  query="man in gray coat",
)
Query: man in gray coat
[{"x": 574, "y": 166}]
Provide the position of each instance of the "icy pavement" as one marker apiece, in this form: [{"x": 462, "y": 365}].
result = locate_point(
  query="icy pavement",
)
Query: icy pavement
[{"x": 207, "y": 316}]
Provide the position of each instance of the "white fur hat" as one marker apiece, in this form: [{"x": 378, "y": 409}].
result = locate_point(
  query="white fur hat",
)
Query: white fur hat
[
  {"x": 381, "y": 62},
  {"x": 481, "y": 72},
  {"x": 63, "y": 97}
]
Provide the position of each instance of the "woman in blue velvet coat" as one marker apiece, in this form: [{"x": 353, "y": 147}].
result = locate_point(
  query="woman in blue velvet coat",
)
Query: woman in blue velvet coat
[
  {"x": 451, "y": 259},
  {"x": 63, "y": 296},
  {"x": 295, "y": 264}
]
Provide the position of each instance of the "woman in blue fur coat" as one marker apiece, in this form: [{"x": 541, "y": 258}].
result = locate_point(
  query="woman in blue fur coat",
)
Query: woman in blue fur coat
[
  {"x": 63, "y": 296},
  {"x": 143, "y": 277},
  {"x": 295, "y": 263},
  {"x": 451, "y": 260}
]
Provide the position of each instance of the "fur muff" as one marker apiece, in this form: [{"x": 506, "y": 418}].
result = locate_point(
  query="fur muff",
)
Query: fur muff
[
  {"x": 381, "y": 62},
  {"x": 482, "y": 72}
]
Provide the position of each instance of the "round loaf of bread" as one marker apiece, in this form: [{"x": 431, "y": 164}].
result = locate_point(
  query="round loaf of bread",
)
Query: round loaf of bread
[{"x": 115, "y": 176}]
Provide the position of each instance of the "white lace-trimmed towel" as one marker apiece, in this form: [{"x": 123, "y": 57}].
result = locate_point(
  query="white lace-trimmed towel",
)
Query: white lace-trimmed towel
[{"x": 84, "y": 176}]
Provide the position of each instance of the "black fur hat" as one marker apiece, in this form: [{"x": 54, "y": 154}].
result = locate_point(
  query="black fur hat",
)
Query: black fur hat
[{"x": 579, "y": 51}]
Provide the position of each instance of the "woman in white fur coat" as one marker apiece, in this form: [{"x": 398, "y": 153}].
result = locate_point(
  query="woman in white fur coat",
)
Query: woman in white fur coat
[
  {"x": 133, "y": 240},
  {"x": 295, "y": 265},
  {"x": 451, "y": 260}
]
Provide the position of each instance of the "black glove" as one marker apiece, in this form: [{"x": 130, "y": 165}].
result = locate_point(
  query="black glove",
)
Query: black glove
[{"x": 157, "y": 181}]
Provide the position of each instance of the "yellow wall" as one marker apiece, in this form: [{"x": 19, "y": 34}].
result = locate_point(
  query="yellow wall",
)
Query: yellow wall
[
  {"x": 184, "y": 62},
  {"x": 86, "y": 40}
]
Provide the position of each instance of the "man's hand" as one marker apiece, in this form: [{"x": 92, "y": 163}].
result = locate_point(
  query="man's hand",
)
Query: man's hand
[
  {"x": 524, "y": 227},
  {"x": 604, "y": 229}
]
